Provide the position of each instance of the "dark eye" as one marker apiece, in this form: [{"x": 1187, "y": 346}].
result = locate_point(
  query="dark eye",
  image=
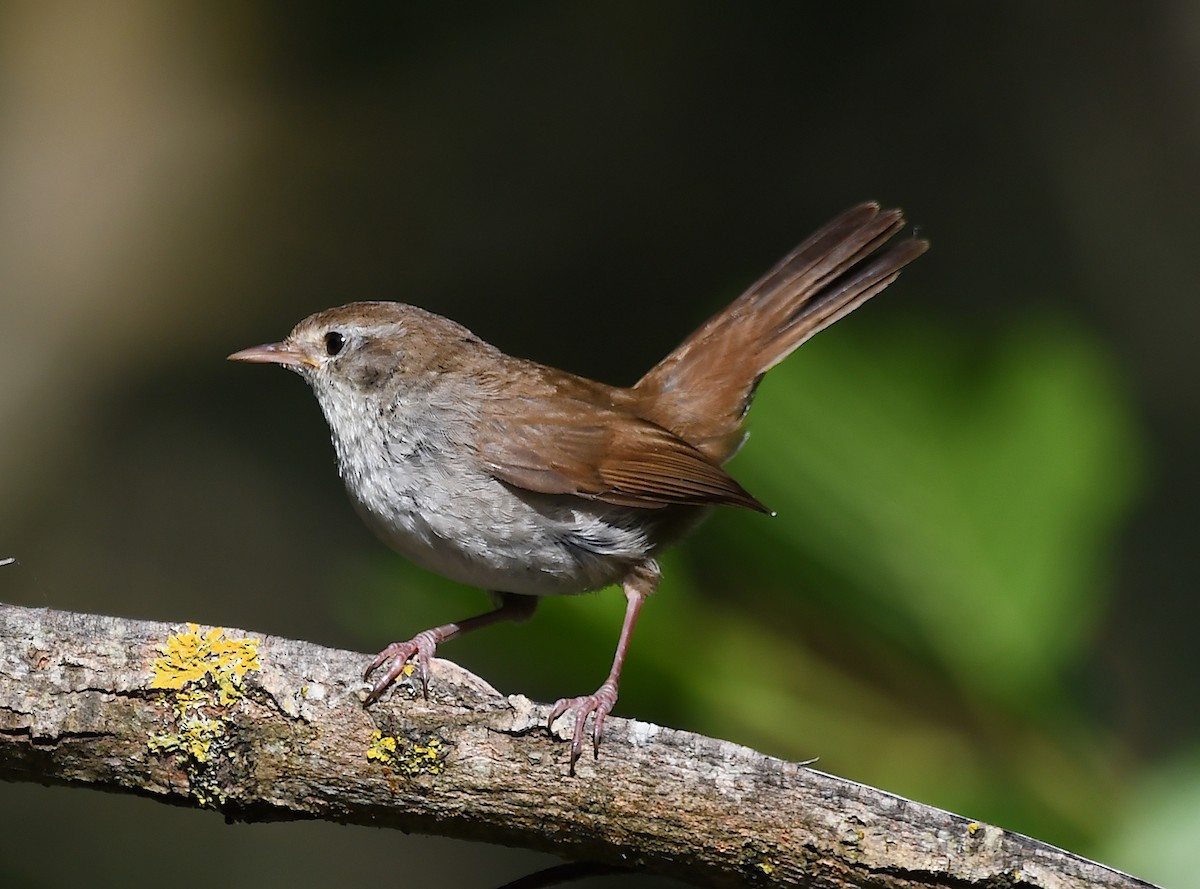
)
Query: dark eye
[{"x": 334, "y": 342}]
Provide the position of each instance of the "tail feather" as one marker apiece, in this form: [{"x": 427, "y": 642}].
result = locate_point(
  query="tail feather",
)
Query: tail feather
[{"x": 702, "y": 390}]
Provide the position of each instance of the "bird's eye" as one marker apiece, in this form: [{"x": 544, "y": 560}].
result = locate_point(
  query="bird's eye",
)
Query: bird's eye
[{"x": 334, "y": 342}]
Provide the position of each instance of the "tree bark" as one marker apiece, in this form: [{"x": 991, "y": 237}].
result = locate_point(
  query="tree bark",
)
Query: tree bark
[{"x": 262, "y": 728}]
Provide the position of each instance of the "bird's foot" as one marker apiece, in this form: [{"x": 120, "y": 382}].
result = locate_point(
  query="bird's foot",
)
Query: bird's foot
[
  {"x": 598, "y": 705},
  {"x": 397, "y": 655}
]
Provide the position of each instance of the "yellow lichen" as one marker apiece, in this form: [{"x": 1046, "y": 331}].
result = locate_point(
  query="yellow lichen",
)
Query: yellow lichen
[
  {"x": 407, "y": 757},
  {"x": 191, "y": 656},
  {"x": 216, "y": 668},
  {"x": 973, "y": 828},
  {"x": 382, "y": 747},
  {"x": 195, "y": 738},
  {"x": 766, "y": 867}
]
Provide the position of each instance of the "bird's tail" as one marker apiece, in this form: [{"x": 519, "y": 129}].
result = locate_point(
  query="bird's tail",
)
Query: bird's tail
[{"x": 702, "y": 390}]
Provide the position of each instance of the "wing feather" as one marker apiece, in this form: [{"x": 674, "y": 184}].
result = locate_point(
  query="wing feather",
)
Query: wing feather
[{"x": 563, "y": 445}]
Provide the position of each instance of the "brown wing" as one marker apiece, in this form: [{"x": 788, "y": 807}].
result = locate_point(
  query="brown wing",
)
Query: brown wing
[{"x": 566, "y": 445}]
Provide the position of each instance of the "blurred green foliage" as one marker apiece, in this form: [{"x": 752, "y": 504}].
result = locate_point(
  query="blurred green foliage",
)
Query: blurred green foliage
[
  {"x": 917, "y": 609},
  {"x": 968, "y": 495},
  {"x": 1157, "y": 830}
]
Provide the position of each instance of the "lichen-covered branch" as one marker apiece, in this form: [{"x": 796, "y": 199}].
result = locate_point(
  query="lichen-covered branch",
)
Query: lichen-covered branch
[{"x": 258, "y": 727}]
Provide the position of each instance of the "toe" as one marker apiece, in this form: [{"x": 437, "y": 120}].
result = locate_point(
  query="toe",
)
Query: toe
[{"x": 396, "y": 656}]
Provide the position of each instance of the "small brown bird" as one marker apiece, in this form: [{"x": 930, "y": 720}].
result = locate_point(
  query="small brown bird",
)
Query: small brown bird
[{"x": 529, "y": 481}]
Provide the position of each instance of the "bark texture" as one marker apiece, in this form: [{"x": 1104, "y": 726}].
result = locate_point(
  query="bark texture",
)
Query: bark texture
[{"x": 258, "y": 727}]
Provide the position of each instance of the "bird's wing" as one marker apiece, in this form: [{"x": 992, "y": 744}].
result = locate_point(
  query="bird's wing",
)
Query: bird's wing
[{"x": 560, "y": 444}]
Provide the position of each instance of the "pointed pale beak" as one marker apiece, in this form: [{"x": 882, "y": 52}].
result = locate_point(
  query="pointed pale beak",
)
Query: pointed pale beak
[{"x": 276, "y": 353}]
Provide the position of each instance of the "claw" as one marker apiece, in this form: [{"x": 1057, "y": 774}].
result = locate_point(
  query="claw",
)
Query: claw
[
  {"x": 597, "y": 705},
  {"x": 398, "y": 654},
  {"x": 424, "y": 644}
]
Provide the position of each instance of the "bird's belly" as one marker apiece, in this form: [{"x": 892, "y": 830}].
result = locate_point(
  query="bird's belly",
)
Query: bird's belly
[{"x": 489, "y": 535}]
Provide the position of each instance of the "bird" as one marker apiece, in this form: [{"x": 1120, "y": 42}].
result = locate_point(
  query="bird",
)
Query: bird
[{"x": 528, "y": 481}]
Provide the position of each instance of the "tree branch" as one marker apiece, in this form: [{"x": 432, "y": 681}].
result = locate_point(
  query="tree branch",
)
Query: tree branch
[{"x": 261, "y": 728}]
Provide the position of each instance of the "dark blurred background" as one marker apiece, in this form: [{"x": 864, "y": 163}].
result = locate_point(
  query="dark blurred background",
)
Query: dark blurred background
[{"x": 979, "y": 590}]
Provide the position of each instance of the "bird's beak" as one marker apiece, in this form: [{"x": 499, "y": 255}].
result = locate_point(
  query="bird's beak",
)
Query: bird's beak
[{"x": 276, "y": 353}]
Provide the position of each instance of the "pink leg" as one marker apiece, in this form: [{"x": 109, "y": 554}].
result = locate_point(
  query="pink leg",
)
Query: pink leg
[
  {"x": 639, "y": 584},
  {"x": 512, "y": 607}
]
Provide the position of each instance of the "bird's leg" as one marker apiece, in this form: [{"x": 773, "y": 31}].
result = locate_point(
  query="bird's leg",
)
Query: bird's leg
[
  {"x": 638, "y": 584},
  {"x": 422, "y": 645}
]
